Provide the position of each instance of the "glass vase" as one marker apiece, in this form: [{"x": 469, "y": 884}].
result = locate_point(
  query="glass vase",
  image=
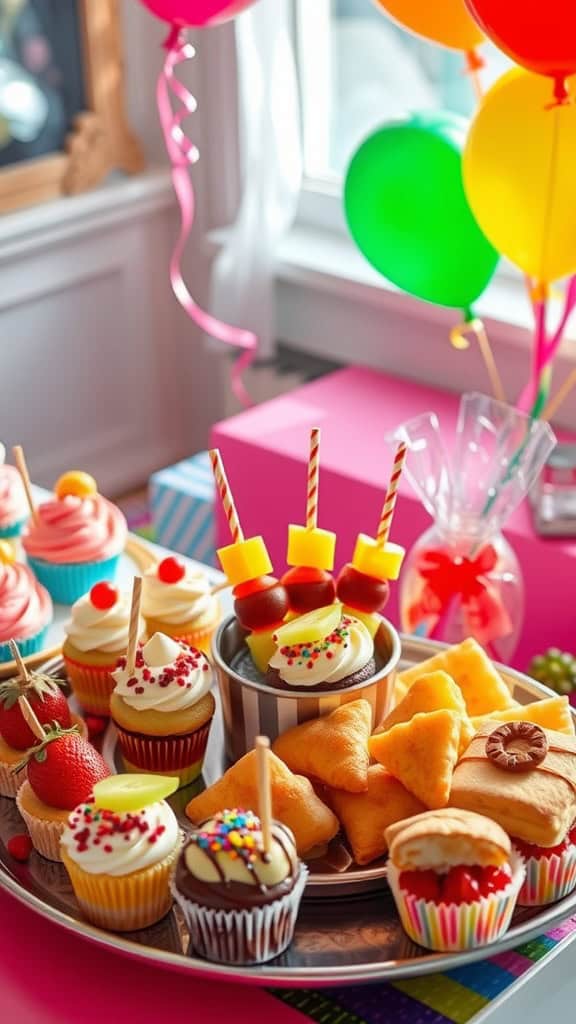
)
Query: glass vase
[{"x": 461, "y": 577}]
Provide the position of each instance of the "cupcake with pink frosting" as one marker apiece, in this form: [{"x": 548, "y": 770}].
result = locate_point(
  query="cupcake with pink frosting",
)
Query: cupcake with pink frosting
[
  {"x": 13, "y": 504},
  {"x": 75, "y": 539},
  {"x": 25, "y": 606}
]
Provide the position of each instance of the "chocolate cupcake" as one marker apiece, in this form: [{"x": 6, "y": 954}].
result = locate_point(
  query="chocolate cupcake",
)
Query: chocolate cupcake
[
  {"x": 239, "y": 900},
  {"x": 343, "y": 658}
]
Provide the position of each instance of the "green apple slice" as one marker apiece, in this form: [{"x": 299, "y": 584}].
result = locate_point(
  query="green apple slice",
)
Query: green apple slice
[
  {"x": 133, "y": 792},
  {"x": 312, "y": 626}
]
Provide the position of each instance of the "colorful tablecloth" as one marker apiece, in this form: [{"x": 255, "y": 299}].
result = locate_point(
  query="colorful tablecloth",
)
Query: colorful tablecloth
[{"x": 452, "y": 998}]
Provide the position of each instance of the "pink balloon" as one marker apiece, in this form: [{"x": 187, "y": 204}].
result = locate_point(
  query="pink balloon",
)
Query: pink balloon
[{"x": 196, "y": 13}]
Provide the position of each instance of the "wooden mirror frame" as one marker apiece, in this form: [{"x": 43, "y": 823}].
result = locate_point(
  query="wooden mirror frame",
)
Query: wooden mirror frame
[{"x": 100, "y": 139}]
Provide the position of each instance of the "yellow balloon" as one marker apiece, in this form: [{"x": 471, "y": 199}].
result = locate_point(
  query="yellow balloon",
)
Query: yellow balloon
[
  {"x": 518, "y": 171},
  {"x": 443, "y": 21}
]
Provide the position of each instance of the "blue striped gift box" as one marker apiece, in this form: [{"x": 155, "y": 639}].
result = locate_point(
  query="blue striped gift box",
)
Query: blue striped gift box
[{"x": 182, "y": 506}]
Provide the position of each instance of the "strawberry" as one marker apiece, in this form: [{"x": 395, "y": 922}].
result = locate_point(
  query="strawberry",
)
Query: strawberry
[
  {"x": 529, "y": 850},
  {"x": 425, "y": 885},
  {"x": 494, "y": 879},
  {"x": 63, "y": 768},
  {"x": 46, "y": 699},
  {"x": 460, "y": 886}
]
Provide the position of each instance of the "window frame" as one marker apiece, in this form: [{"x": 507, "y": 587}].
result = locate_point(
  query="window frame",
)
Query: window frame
[{"x": 326, "y": 292}]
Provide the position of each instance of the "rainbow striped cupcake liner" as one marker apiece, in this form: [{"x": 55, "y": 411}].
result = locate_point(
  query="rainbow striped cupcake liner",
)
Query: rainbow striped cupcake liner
[
  {"x": 548, "y": 879},
  {"x": 68, "y": 581},
  {"x": 30, "y": 645},
  {"x": 452, "y": 927}
]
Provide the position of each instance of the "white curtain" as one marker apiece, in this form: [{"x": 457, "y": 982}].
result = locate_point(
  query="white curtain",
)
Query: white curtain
[{"x": 271, "y": 171}]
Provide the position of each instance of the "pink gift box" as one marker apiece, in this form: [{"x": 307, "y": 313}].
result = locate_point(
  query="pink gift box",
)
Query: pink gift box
[{"x": 265, "y": 451}]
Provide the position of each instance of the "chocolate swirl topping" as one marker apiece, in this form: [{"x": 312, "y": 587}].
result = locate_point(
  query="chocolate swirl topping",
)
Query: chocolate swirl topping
[{"x": 225, "y": 893}]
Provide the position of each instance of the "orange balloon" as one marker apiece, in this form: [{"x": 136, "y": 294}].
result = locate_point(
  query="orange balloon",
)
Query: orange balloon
[{"x": 443, "y": 21}]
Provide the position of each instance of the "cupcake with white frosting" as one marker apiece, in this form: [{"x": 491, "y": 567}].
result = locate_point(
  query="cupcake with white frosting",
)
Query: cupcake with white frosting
[
  {"x": 164, "y": 708},
  {"x": 177, "y": 601},
  {"x": 96, "y": 637},
  {"x": 309, "y": 658},
  {"x": 120, "y": 858}
]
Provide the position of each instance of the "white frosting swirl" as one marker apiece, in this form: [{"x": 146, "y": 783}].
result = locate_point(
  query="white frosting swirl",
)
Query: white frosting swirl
[
  {"x": 94, "y": 629},
  {"x": 188, "y": 600},
  {"x": 169, "y": 676},
  {"x": 111, "y": 843},
  {"x": 346, "y": 651}
]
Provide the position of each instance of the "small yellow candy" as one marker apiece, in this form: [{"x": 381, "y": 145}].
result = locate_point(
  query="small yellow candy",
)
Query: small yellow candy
[
  {"x": 383, "y": 563},
  {"x": 246, "y": 560},
  {"x": 75, "y": 483},
  {"x": 311, "y": 548},
  {"x": 7, "y": 554}
]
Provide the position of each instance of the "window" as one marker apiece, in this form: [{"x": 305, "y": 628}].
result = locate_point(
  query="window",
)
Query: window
[{"x": 359, "y": 69}]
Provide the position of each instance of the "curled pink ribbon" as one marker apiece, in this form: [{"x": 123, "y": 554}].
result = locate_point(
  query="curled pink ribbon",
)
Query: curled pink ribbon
[{"x": 183, "y": 153}]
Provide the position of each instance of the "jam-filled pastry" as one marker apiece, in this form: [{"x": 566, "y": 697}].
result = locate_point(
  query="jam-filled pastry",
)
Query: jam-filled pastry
[{"x": 333, "y": 749}]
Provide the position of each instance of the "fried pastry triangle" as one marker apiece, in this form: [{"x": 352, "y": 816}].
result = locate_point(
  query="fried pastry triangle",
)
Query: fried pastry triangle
[
  {"x": 294, "y": 802},
  {"x": 366, "y": 816},
  {"x": 333, "y": 749},
  {"x": 422, "y": 754}
]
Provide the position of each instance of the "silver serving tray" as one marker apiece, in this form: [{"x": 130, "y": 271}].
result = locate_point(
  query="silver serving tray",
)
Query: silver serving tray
[{"x": 353, "y": 937}]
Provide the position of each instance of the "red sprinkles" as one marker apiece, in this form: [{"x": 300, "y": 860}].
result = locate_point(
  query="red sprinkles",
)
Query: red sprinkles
[
  {"x": 92, "y": 827},
  {"x": 307, "y": 654}
]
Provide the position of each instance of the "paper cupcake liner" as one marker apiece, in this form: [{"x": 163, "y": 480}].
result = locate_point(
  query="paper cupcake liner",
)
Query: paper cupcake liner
[
  {"x": 45, "y": 835},
  {"x": 69, "y": 581},
  {"x": 92, "y": 685},
  {"x": 548, "y": 879},
  {"x": 243, "y": 937},
  {"x": 199, "y": 638},
  {"x": 454, "y": 927},
  {"x": 165, "y": 755},
  {"x": 30, "y": 645},
  {"x": 8, "y": 531},
  {"x": 10, "y": 782},
  {"x": 124, "y": 903}
]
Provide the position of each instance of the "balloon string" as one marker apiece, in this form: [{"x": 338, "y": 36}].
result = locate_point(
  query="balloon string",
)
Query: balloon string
[
  {"x": 474, "y": 64},
  {"x": 459, "y": 339},
  {"x": 560, "y": 396},
  {"x": 183, "y": 153}
]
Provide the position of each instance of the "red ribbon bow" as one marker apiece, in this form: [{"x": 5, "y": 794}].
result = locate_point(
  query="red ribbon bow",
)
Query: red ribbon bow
[{"x": 447, "y": 577}]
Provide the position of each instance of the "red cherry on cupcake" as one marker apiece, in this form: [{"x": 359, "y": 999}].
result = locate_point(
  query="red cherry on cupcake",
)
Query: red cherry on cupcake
[
  {"x": 103, "y": 596},
  {"x": 171, "y": 570}
]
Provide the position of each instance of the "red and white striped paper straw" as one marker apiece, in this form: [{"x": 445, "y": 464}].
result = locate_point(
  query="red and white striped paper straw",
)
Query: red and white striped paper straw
[
  {"x": 313, "y": 474},
  {"x": 226, "y": 496},
  {"x": 385, "y": 524}
]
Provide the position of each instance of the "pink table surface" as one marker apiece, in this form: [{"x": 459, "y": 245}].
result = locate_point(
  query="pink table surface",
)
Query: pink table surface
[{"x": 50, "y": 976}]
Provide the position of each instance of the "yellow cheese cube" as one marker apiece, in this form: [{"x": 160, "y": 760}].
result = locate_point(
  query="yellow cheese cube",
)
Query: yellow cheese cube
[
  {"x": 246, "y": 560},
  {"x": 383, "y": 563},
  {"x": 311, "y": 548}
]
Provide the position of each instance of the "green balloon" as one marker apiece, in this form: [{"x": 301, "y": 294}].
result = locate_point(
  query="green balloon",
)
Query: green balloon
[{"x": 408, "y": 213}]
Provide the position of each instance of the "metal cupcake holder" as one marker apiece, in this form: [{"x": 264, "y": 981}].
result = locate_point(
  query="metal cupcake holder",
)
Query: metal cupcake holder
[{"x": 251, "y": 707}]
